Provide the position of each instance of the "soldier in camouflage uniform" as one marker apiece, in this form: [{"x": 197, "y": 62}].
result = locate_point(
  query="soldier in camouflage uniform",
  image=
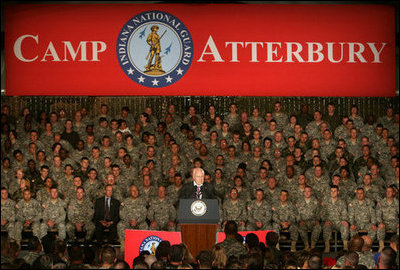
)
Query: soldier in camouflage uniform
[
  {"x": 7, "y": 213},
  {"x": 53, "y": 215},
  {"x": 29, "y": 213},
  {"x": 272, "y": 192},
  {"x": 309, "y": 213},
  {"x": 161, "y": 213},
  {"x": 174, "y": 190},
  {"x": 371, "y": 191},
  {"x": 284, "y": 217},
  {"x": 234, "y": 209},
  {"x": 334, "y": 217},
  {"x": 387, "y": 215},
  {"x": 93, "y": 187},
  {"x": 362, "y": 214},
  {"x": 259, "y": 213},
  {"x": 133, "y": 214},
  {"x": 261, "y": 182},
  {"x": 80, "y": 215}
]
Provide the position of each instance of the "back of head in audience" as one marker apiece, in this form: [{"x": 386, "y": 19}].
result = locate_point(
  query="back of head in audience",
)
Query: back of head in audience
[
  {"x": 231, "y": 228},
  {"x": 356, "y": 243},
  {"x": 120, "y": 264},
  {"x": 158, "y": 265},
  {"x": 387, "y": 259},
  {"x": 108, "y": 255},
  {"x": 162, "y": 250},
  {"x": 204, "y": 259},
  {"x": 271, "y": 239},
  {"x": 252, "y": 240},
  {"x": 255, "y": 261},
  {"x": 367, "y": 243},
  {"x": 314, "y": 262},
  {"x": 175, "y": 254}
]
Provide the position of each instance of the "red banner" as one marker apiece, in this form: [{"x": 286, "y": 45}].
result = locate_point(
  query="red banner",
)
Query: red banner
[
  {"x": 138, "y": 240},
  {"x": 261, "y": 235},
  {"x": 200, "y": 49}
]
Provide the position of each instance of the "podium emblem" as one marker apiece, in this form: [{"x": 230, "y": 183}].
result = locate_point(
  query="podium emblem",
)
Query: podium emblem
[{"x": 198, "y": 208}]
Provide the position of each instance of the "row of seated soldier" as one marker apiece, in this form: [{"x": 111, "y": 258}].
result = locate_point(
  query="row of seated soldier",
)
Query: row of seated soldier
[{"x": 300, "y": 173}]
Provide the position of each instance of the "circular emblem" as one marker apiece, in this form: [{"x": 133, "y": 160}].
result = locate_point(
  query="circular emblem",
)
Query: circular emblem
[
  {"x": 198, "y": 208},
  {"x": 155, "y": 49},
  {"x": 150, "y": 244}
]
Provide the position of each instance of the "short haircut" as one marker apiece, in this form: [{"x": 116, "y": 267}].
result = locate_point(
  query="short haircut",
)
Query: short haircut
[
  {"x": 231, "y": 227},
  {"x": 252, "y": 240},
  {"x": 315, "y": 262},
  {"x": 271, "y": 239},
  {"x": 108, "y": 255},
  {"x": 388, "y": 258},
  {"x": 205, "y": 258},
  {"x": 176, "y": 253}
]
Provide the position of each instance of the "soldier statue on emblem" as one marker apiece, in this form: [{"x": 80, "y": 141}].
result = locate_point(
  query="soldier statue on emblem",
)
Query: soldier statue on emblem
[{"x": 155, "y": 48}]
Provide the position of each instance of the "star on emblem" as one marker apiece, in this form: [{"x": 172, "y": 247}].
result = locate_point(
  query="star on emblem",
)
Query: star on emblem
[
  {"x": 179, "y": 71},
  {"x": 155, "y": 82},
  {"x": 130, "y": 71},
  {"x": 169, "y": 79},
  {"x": 141, "y": 79}
]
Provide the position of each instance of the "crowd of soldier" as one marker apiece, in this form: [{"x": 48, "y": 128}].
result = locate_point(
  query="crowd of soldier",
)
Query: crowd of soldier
[{"x": 300, "y": 173}]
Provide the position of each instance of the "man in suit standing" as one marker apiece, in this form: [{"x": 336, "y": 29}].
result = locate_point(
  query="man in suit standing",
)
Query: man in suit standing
[
  {"x": 198, "y": 189},
  {"x": 106, "y": 215}
]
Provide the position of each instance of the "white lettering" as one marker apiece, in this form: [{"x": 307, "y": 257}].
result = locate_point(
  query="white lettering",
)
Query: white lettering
[
  {"x": 254, "y": 50},
  {"x": 51, "y": 51},
  {"x": 358, "y": 53},
  {"x": 311, "y": 52},
  {"x": 68, "y": 47},
  {"x": 330, "y": 52},
  {"x": 375, "y": 51},
  {"x": 234, "y": 49},
  {"x": 214, "y": 51},
  {"x": 273, "y": 52},
  {"x": 96, "y": 51},
  {"x": 18, "y": 51},
  {"x": 290, "y": 52}
]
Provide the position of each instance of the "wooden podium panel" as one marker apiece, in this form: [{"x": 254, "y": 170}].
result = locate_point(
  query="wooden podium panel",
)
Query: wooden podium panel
[{"x": 198, "y": 237}]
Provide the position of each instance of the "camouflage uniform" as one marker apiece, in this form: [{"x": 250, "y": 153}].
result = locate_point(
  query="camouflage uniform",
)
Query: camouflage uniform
[
  {"x": 162, "y": 212},
  {"x": 363, "y": 216},
  {"x": 8, "y": 213},
  {"x": 335, "y": 212},
  {"x": 173, "y": 194},
  {"x": 233, "y": 247},
  {"x": 258, "y": 184},
  {"x": 309, "y": 213},
  {"x": 272, "y": 197},
  {"x": 132, "y": 210},
  {"x": 388, "y": 213},
  {"x": 42, "y": 195},
  {"x": 259, "y": 212},
  {"x": 28, "y": 211},
  {"x": 287, "y": 212},
  {"x": 80, "y": 211},
  {"x": 235, "y": 211},
  {"x": 54, "y": 211},
  {"x": 93, "y": 190}
]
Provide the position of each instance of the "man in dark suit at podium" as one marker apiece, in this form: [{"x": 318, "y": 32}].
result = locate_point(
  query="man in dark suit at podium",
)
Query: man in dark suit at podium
[{"x": 198, "y": 189}]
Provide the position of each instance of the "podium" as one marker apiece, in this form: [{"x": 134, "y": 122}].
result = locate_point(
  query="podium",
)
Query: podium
[{"x": 198, "y": 220}]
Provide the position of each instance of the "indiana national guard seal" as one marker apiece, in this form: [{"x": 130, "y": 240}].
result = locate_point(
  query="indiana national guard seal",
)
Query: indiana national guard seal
[
  {"x": 150, "y": 244},
  {"x": 198, "y": 208},
  {"x": 155, "y": 49}
]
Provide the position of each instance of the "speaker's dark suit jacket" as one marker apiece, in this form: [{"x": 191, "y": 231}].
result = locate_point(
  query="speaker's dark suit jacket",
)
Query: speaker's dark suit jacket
[
  {"x": 189, "y": 190},
  {"x": 100, "y": 211}
]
